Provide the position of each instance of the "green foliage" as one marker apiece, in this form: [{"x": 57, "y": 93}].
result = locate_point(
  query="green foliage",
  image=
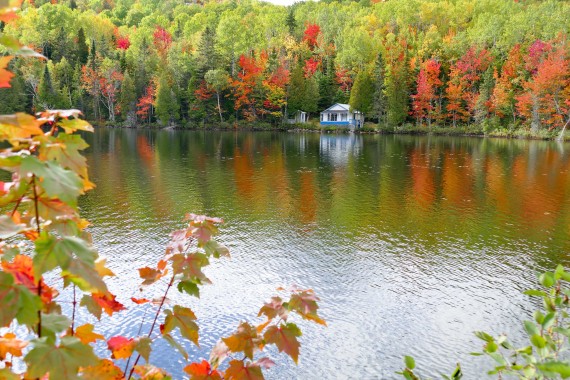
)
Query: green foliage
[
  {"x": 166, "y": 103},
  {"x": 362, "y": 94}
]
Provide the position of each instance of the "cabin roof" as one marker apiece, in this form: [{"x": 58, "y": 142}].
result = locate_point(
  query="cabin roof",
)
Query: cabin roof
[{"x": 338, "y": 107}]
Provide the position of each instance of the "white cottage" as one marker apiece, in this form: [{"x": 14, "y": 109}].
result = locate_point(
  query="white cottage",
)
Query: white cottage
[{"x": 339, "y": 114}]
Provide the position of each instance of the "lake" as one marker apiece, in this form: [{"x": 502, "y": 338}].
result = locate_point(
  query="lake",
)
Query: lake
[{"x": 411, "y": 242}]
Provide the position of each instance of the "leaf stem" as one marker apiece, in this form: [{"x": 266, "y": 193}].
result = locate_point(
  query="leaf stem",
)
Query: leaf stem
[
  {"x": 151, "y": 327},
  {"x": 73, "y": 312}
]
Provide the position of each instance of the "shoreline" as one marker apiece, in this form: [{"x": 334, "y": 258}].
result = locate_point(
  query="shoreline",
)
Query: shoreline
[{"x": 460, "y": 131}]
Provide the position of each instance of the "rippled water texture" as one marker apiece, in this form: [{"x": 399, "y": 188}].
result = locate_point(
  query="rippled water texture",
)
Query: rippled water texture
[{"x": 411, "y": 242}]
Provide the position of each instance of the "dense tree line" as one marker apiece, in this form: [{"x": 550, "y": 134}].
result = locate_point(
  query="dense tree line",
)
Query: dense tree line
[{"x": 441, "y": 62}]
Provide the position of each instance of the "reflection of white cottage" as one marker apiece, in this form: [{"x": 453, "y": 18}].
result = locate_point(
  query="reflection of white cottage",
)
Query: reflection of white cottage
[
  {"x": 340, "y": 114},
  {"x": 339, "y": 149}
]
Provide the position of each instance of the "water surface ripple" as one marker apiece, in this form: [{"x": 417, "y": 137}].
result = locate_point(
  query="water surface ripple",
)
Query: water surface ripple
[{"x": 412, "y": 243}]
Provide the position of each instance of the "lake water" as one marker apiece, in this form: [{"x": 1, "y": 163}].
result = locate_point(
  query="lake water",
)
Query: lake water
[{"x": 412, "y": 243}]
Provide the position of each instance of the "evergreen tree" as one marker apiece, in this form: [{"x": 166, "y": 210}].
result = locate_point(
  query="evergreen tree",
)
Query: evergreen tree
[
  {"x": 291, "y": 21},
  {"x": 311, "y": 95},
  {"x": 82, "y": 51},
  {"x": 166, "y": 103},
  {"x": 13, "y": 99},
  {"x": 397, "y": 93},
  {"x": 485, "y": 91},
  {"x": 379, "y": 107},
  {"x": 362, "y": 94},
  {"x": 60, "y": 46},
  {"x": 296, "y": 93},
  {"x": 92, "y": 61},
  {"x": 127, "y": 99},
  {"x": 207, "y": 56},
  {"x": 46, "y": 95},
  {"x": 327, "y": 87}
]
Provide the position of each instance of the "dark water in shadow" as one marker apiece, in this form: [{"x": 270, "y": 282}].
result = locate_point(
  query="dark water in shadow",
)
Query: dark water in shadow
[{"x": 412, "y": 243}]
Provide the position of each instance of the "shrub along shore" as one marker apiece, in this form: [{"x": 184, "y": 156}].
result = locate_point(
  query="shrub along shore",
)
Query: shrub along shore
[{"x": 474, "y": 130}]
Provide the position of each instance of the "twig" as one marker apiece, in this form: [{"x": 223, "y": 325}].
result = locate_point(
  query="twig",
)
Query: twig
[
  {"x": 152, "y": 326},
  {"x": 39, "y": 232}
]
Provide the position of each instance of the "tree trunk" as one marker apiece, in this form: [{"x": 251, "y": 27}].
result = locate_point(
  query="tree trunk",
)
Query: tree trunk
[
  {"x": 219, "y": 107},
  {"x": 535, "y": 123},
  {"x": 561, "y": 135}
]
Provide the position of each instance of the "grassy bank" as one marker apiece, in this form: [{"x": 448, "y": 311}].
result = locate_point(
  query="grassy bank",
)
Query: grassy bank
[{"x": 480, "y": 130}]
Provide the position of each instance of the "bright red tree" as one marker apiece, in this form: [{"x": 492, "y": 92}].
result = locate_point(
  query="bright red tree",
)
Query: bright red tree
[
  {"x": 464, "y": 77},
  {"x": 247, "y": 82},
  {"x": 145, "y": 103},
  {"x": 311, "y": 35},
  {"x": 545, "y": 97},
  {"x": 427, "y": 84},
  {"x": 162, "y": 40}
]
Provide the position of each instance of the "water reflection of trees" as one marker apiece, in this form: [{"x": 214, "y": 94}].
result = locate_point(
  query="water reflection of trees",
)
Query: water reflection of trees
[{"x": 419, "y": 186}]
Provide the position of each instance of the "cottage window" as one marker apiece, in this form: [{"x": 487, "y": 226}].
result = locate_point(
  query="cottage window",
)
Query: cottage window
[
  {"x": 333, "y": 117},
  {"x": 343, "y": 117}
]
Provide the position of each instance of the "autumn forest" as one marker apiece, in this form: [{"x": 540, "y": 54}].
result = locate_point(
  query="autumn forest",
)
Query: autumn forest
[{"x": 495, "y": 63}]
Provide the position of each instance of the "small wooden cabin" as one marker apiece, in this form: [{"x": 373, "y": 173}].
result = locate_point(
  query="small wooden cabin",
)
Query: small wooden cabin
[{"x": 340, "y": 115}]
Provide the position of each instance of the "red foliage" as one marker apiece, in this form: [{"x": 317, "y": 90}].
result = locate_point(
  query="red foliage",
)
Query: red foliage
[
  {"x": 311, "y": 35},
  {"x": 144, "y": 105},
  {"x": 311, "y": 66},
  {"x": 536, "y": 53},
  {"x": 463, "y": 80},
  {"x": 203, "y": 92},
  {"x": 22, "y": 270},
  {"x": 427, "y": 83},
  {"x": 247, "y": 81},
  {"x": 344, "y": 80},
  {"x": 162, "y": 40},
  {"x": 508, "y": 82},
  {"x": 123, "y": 43},
  {"x": 546, "y": 93}
]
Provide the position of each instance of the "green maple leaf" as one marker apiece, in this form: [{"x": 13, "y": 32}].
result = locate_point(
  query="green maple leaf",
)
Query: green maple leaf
[
  {"x": 65, "y": 150},
  {"x": 183, "y": 318},
  {"x": 143, "y": 347},
  {"x": 61, "y": 362},
  {"x": 55, "y": 180},
  {"x": 17, "y": 302},
  {"x": 51, "y": 252},
  {"x": 53, "y": 324}
]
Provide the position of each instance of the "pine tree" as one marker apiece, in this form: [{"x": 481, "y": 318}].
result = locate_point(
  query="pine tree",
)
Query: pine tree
[
  {"x": 82, "y": 51},
  {"x": 485, "y": 91},
  {"x": 127, "y": 99},
  {"x": 46, "y": 95},
  {"x": 207, "y": 56},
  {"x": 397, "y": 93},
  {"x": 362, "y": 94},
  {"x": 290, "y": 21},
  {"x": 296, "y": 93},
  {"x": 311, "y": 95},
  {"x": 379, "y": 107},
  {"x": 60, "y": 46},
  {"x": 13, "y": 99},
  {"x": 327, "y": 88},
  {"x": 166, "y": 103}
]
